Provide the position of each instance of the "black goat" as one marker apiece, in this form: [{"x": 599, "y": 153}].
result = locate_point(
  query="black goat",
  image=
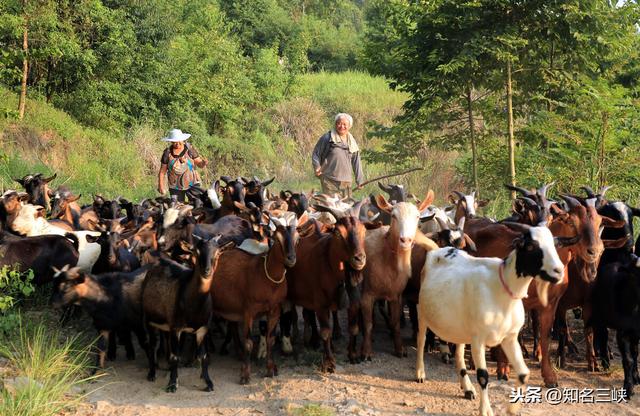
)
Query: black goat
[
  {"x": 175, "y": 299},
  {"x": 38, "y": 254},
  {"x": 111, "y": 299},
  {"x": 616, "y": 305}
]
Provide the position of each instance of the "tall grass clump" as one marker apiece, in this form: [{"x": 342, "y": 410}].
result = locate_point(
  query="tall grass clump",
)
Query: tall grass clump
[{"x": 47, "y": 372}]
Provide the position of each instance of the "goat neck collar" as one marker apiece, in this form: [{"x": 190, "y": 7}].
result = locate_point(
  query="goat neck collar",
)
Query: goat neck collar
[{"x": 504, "y": 283}]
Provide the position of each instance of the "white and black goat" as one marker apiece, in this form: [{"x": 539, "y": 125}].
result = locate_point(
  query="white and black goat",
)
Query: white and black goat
[{"x": 477, "y": 301}]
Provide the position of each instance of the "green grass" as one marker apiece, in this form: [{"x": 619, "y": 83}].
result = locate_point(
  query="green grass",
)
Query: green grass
[
  {"x": 311, "y": 410},
  {"x": 125, "y": 162},
  {"x": 49, "y": 370}
]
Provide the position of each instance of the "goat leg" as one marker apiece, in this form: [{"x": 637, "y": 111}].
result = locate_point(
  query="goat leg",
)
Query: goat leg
[
  {"x": 101, "y": 345},
  {"x": 624, "y": 345},
  {"x": 367, "y": 315},
  {"x": 395, "y": 309},
  {"x": 478, "y": 353},
  {"x": 461, "y": 368},
  {"x": 562, "y": 330},
  {"x": 311, "y": 336},
  {"x": 354, "y": 329},
  {"x": 125, "y": 338},
  {"x": 337, "y": 331},
  {"x": 174, "y": 358},
  {"x": 272, "y": 321},
  {"x": 328, "y": 360},
  {"x": 590, "y": 352},
  {"x": 245, "y": 370},
  {"x": 203, "y": 354},
  {"x": 546, "y": 322},
  {"x": 151, "y": 353},
  {"x": 286, "y": 322},
  {"x": 514, "y": 353},
  {"x": 113, "y": 345}
]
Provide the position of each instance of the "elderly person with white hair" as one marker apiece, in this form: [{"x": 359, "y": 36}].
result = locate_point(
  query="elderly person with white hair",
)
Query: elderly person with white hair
[{"x": 336, "y": 156}]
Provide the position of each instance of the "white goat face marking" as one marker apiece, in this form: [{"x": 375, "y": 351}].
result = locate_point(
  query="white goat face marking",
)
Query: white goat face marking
[
  {"x": 591, "y": 202},
  {"x": 471, "y": 204},
  {"x": 406, "y": 216},
  {"x": 456, "y": 235},
  {"x": 550, "y": 260},
  {"x": 170, "y": 217},
  {"x": 622, "y": 209},
  {"x": 213, "y": 197}
]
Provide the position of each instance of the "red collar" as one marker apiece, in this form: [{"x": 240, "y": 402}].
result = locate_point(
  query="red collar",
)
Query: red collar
[{"x": 504, "y": 284}]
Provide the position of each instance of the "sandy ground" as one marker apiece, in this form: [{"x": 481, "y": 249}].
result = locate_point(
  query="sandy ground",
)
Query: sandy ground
[{"x": 384, "y": 386}]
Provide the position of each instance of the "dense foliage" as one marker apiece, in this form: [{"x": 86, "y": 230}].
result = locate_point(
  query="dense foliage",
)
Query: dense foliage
[{"x": 575, "y": 90}]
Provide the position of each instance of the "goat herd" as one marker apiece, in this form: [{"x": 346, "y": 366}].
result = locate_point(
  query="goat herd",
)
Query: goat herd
[{"x": 238, "y": 253}]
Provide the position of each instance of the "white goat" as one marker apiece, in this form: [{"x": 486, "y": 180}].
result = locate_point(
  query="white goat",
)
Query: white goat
[
  {"x": 30, "y": 222},
  {"x": 477, "y": 301}
]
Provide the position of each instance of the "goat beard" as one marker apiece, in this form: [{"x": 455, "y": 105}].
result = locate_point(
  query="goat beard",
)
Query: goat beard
[{"x": 542, "y": 289}]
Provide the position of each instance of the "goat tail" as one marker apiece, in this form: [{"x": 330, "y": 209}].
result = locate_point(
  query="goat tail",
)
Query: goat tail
[{"x": 74, "y": 240}]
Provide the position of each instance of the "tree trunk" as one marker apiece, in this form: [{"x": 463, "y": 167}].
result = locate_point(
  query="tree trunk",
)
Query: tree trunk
[
  {"x": 25, "y": 65},
  {"x": 603, "y": 136},
  {"x": 472, "y": 135},
  {"x": 512, "y": 144}
]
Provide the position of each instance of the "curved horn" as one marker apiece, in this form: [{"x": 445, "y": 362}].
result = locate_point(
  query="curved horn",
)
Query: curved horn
[
  {"x": 267, "y": 183},
  {"x": 516, "y": 226},
  {"x": 523, "y": 191},
  {"x": 543, "y": 191},
  {"x": 459, "y": 194},
  {"x": 336, "y": 213},
  {"x": 571, "y": 201},
  {"x": 49, "y": 179},
  {"x": 604, "y": 190},
  {"x": 384, "y": 187},
  {"x": 588, "y": 191},
  {"x": 528, "y": 201},
  {"x": 354, "y": 211},
  {"x": 226, "y": 179}
]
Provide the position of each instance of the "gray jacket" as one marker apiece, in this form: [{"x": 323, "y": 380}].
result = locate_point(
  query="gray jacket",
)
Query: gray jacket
[{"x": 335, "y": 161}]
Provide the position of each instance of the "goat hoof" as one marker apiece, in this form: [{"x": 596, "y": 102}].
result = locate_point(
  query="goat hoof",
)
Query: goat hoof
[
  {"x": 151, "y": 377},
  {"x": 244, "y": 380},
  {"x": 469, "y": 395},
  {"x": 171, "y": 388},
  {"x": 551, "y": 384},
  {"x": 605, "y": 365},
  {"x": 209, "y": 388}
]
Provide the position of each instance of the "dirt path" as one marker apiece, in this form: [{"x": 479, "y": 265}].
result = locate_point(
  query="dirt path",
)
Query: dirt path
[{"x": 384, "y": 386}]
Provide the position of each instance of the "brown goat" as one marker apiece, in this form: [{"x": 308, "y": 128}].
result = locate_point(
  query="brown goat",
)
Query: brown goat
[
  {"x": 388, "y": 269},
  {"x": 320, "y": 269},
  {"x": 246, "y": 285}
]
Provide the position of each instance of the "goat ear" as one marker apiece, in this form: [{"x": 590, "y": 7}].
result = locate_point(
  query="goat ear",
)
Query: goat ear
[
  {"x": 75, "y": 199},
  {"x": 471, "y": 245},
  {"x": 609, "y": 222},
  {"x": 428, "y": 200},
  {"x": 382, "y": 203},
  {"x": 517, "y": 242},
  {"x": 303, "y": 219},
  {"x": 23, "y": 196},
  {"x": 620, "y": 242}
]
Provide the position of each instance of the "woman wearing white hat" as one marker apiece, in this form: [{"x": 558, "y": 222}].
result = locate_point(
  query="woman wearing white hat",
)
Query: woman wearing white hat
[{"x": 178, "y": 165}]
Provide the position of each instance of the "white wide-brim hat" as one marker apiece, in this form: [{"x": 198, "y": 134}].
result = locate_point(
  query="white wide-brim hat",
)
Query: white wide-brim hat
[{"x": 176, "y": 135}]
